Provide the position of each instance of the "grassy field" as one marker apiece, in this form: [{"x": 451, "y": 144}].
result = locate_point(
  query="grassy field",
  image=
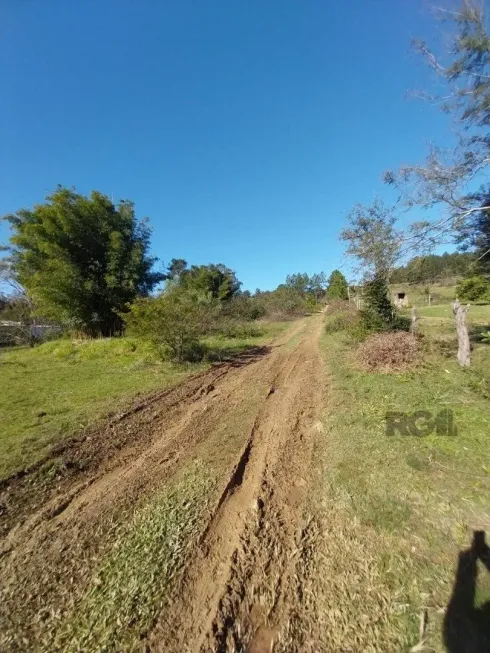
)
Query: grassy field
[
  {"x": 478, "y": 313},
  {"x": 50, "y": 391},
  {"x": 413, "y": 502}
]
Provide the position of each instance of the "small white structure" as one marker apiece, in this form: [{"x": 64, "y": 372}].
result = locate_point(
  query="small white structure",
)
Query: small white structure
[{"x": 400, "y": 299}]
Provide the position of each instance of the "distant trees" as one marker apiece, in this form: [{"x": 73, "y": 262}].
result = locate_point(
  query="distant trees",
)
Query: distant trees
[
  {"x": 306, "y": 286},
  {"x": 82, "y": 259},
  {"x": 317, "y": 285},
  {"x": 337, "y": 287},
  {"x": 432, "y": 268},
  {"x": 300, "y": 294}
]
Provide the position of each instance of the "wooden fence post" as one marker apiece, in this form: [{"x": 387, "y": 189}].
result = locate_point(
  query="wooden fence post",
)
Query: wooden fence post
[
  {"x": 464, "y": 351},
  {"x": 413, "y": 323}
]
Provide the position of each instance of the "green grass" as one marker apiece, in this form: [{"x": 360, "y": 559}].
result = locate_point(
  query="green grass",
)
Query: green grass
[
  {"x": 478, "y": 313},
  {"x": 50, "y": 391},
  {"x": 413, "y": 500},
  {"x": 129, "y": 584}
]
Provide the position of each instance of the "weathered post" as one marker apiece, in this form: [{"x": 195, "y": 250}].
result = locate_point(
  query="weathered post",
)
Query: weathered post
[
  {"x": 464, "y": 352},
  {"x": 414, "y": 318}
]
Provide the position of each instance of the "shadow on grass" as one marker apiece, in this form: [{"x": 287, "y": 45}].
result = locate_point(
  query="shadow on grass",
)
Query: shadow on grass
[
  {"x": 467, "y": 625},
  {"x": 237, "y": 356},
  {"x": 477, "y": 333}
]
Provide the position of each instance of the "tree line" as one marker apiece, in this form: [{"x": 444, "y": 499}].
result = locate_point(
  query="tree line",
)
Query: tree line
[
  {"x": 84, "y": 264},
  {"x": 433, "y": 268}
]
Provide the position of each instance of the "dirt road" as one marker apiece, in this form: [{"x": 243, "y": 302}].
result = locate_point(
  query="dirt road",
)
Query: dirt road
[{"x": 253, "y": 421}]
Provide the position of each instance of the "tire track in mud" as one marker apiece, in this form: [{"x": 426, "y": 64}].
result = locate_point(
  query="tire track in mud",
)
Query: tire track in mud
[
  {"x": 248, "y": 541},
  {"x": 240, "y": 588}
]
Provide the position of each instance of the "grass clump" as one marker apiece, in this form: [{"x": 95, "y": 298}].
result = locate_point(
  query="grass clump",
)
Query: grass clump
[{"x": 128, "y": 587}]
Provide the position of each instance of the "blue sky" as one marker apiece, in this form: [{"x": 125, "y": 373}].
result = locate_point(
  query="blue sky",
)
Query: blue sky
[{"x": 245, "y": 130}]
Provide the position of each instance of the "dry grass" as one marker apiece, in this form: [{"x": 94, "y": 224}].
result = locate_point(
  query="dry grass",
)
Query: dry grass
[
  {"x": 398, "y": 351},
  {"x": 410, "y": 503},
  {"x": 350, "y": 599}
]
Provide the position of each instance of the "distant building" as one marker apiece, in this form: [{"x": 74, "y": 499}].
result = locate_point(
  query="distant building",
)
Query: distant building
[{"x": 400, "y": 299}]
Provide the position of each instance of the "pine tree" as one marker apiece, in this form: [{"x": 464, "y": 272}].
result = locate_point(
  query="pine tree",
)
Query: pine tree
[{"x": 337, "y": 286}]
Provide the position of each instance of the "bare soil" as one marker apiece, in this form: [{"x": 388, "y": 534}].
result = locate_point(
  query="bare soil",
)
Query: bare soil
[{"x": 241, "y": 587}]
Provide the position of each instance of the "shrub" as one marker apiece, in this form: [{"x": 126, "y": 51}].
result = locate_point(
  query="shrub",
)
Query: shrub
[
  {"x": 243, "y": 307},
  {"x": 339, "y": 306},
  {"x": 175, "y": 320},
  {"x": 473, "y": 289},
  {"x": 230, "y": 328},
  {"x": 342, "y": 321},
  {"x": 282, "y": 304},
  {"x": 389, "y": 352}
]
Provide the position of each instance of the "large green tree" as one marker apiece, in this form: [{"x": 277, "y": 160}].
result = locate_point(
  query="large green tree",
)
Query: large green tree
[{"x": 82, "y": 259}]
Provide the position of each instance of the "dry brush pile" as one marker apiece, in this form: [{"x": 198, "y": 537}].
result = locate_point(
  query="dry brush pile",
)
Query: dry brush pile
[{"x": 396, "y": 351}]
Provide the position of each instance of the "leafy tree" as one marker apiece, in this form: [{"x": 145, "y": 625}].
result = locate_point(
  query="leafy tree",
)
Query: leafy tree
[
  {"x": 473, "y": 289},
  {"x": 8, "y": 277},
  {"x": 337, "y": 286},
  {"x": 215, "y": 280},
  {"x": 82, "y": 259},
  {"x": 372, "y": 239}
]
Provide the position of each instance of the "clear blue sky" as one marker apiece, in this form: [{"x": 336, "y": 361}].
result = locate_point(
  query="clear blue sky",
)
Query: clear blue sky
[{"x": 244, "y": 129}]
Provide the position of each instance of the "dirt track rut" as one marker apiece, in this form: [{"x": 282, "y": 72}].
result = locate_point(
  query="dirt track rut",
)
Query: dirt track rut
[{"x": 239, "y": 587}]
